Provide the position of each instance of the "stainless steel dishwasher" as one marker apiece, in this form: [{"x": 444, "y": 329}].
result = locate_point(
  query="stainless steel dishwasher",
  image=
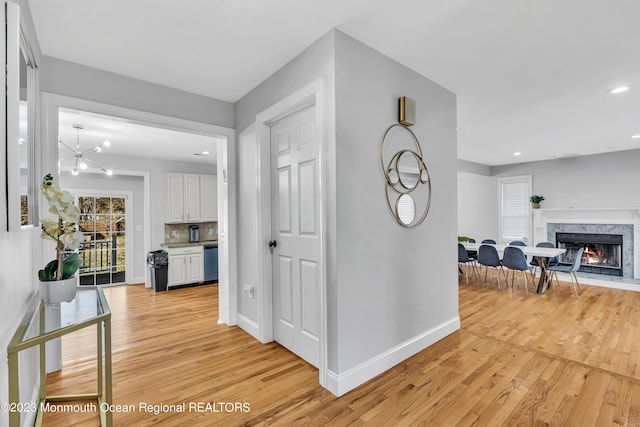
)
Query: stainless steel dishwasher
[{"x": 210, "y": 263}]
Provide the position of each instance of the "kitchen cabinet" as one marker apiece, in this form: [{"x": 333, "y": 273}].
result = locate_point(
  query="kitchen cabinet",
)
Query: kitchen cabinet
[
  {"x": 186, "y": 265},
  {"x": 190, "y": 198},
  {"x": 209, "y": 198}
]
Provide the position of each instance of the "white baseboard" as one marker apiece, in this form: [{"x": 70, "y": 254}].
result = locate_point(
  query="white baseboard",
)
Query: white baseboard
[
  {"x": 340, "y": 384},
  {"x": 604, "y": 283},
  {"x": 249, "y": 326},
  {"x": 592, "y": 281},
  {"x": 138, "y": 280}
]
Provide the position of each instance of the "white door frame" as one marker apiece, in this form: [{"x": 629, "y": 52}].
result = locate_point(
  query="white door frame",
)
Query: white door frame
[
  {"x": 311, "y": 95},
  {"x": 227, "y": 284}
]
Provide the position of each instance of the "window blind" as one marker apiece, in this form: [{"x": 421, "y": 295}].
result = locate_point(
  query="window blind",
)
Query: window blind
[{"x": 515, "y": 221}]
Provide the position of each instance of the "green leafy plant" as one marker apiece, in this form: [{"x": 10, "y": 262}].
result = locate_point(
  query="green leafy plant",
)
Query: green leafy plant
[
  {"x": 536, "y": 199},
  {"x": 63, "y": 230},
  {"x": 463, "y": 238}
]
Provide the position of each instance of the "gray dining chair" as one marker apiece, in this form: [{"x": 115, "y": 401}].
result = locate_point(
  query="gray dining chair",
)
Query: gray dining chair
[
  {"x": 552, "y": 261},
  {"x": 465, "y": 259},
  {"x": 517, "y": 243},
  {"x": 571, "y": 270},
  {"x": 488, "y": 256},
  {"x": 514, "y": 260},
  {"x": 489, "y": 241}
]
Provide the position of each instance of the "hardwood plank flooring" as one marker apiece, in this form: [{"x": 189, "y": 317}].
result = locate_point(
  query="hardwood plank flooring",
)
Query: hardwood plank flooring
[{"x": 539, "y": 360}]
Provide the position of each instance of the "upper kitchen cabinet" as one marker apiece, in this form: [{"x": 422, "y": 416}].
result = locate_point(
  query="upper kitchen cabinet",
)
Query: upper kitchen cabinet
[
  {"x": 209, "y": 198},
  {"x": 190, "y": 198}
]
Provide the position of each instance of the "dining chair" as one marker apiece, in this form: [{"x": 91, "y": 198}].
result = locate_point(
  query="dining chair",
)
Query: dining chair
[
  {"x": 551, "y": 261},
  {"x": 465, "y": 259},
  {"x": 489, "y": 241},
  {"x": 472, "y": 254},
  {"x": 514, "y": 259},
  {"x": 488, "y": 256},
  {"x": 571, "y": 270},
  {"x": 517, "y": 243}
]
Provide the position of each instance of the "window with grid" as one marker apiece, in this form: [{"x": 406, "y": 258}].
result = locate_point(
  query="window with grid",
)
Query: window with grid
[
  {"x": 102, "y": 222},
  {"x": 514, "y": 209}
]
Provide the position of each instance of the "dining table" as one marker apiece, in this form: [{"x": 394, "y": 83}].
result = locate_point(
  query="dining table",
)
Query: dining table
[{"x": 542, "y": 254}]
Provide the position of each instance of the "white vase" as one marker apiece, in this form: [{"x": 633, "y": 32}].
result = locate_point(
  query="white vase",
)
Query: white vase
[{"x": 57, "y": 291}]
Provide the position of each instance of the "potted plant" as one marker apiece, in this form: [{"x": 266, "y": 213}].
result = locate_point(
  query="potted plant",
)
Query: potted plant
[
  {"x": 58, "y": 281},
  {"x": 535, "y": 199},
  {"x": 464, "y": 240}
]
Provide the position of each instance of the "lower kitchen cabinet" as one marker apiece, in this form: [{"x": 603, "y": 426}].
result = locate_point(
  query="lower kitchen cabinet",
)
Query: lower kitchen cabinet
[{"x": 186, "y": 265}]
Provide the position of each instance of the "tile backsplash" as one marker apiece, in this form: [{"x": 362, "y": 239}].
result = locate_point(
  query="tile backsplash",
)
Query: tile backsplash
[{"x": 208, "y": 231}]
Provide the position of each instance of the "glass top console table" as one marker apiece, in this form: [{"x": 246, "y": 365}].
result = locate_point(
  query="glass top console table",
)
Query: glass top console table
[{"x": 89, "y": 307}]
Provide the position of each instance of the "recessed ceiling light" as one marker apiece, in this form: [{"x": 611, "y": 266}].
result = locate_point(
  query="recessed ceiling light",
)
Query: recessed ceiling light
[
  {"x": 517, "y": 153},
  {"x": 205, "y": 153},
  {"x": 106, "y": 143},
  {"x": 620, "y": 89},
  {"x": 635, "y": 136}
]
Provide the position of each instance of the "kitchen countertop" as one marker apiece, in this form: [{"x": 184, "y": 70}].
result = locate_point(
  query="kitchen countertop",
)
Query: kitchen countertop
[{"x": 186, "y": 244}]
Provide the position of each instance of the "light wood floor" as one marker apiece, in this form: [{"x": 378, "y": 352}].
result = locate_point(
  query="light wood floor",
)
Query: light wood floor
[{"x": 538, "y": 360}]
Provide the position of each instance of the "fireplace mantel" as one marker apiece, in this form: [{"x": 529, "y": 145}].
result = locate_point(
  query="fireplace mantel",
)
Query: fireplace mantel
[{"x": 595, "y": 215}]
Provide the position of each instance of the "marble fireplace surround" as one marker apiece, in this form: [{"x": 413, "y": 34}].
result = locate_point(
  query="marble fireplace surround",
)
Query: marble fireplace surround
[{"x": 542, "y": 218}]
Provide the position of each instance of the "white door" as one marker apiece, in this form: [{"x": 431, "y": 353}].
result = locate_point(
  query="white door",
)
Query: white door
[{"x": 295, "y": 222}]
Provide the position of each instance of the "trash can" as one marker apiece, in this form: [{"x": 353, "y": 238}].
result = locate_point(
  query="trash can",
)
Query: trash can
[{"x": 158, "y": 263}]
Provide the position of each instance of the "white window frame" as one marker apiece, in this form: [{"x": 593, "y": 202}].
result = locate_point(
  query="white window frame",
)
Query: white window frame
[{"x": 513, "y": 179}]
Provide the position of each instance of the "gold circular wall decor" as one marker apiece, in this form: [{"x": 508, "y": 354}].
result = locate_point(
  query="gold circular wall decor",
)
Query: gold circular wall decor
[{"x": 400, "y": 185}]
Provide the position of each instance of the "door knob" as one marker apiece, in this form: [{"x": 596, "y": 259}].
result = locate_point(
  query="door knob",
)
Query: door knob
[{"x": 273, "y": 243}]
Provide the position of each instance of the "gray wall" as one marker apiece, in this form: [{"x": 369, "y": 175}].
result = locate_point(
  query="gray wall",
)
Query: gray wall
[
  {"x": 472, "y": 167},
  {"x": 386, "y": 284},
  {"x": 79, "y": 81},
  {"x": 603, "y": 180},
  {"x": 477, "y": 206},
  {"x": 393, "y": 284},
  {"x": 315, "y": 62}
]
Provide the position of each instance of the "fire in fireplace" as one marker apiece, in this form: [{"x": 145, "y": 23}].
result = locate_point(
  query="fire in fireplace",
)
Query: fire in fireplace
[{"x": 602, "y": 252}]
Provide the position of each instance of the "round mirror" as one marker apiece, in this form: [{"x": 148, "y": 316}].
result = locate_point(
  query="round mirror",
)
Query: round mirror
[
  {"x": 405, "y": 209},
  {"x": 408, "y": 164},
  {"x": 392, "y": 176}
]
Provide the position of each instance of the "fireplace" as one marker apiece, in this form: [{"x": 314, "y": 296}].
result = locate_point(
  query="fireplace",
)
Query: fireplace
[{"x": 602, "y": 252}]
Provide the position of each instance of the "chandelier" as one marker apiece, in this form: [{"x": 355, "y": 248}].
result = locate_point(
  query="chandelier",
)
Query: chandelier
[{"x": 80, "y": 156}]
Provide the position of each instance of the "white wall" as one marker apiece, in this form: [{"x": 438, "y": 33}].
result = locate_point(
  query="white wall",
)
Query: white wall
[
  {"x": 247, "y": 179},
  {"x": 477, "y": 206},
  {"x": 396, "y": 288},
  {"x": 20, "y": 259},
  {"x": 602, "y": 180}
]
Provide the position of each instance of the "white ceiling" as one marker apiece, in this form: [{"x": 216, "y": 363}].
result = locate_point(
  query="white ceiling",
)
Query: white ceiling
[
  {"x": 531, "y": 76},
  {"x": 130, "y": 139}
]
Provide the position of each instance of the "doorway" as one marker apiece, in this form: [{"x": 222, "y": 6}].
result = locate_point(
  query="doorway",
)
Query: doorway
[
  {"x": 225, "y": 168},
  {"x": 313, "y": 266},
  {"x": 103, "y": 249}
]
